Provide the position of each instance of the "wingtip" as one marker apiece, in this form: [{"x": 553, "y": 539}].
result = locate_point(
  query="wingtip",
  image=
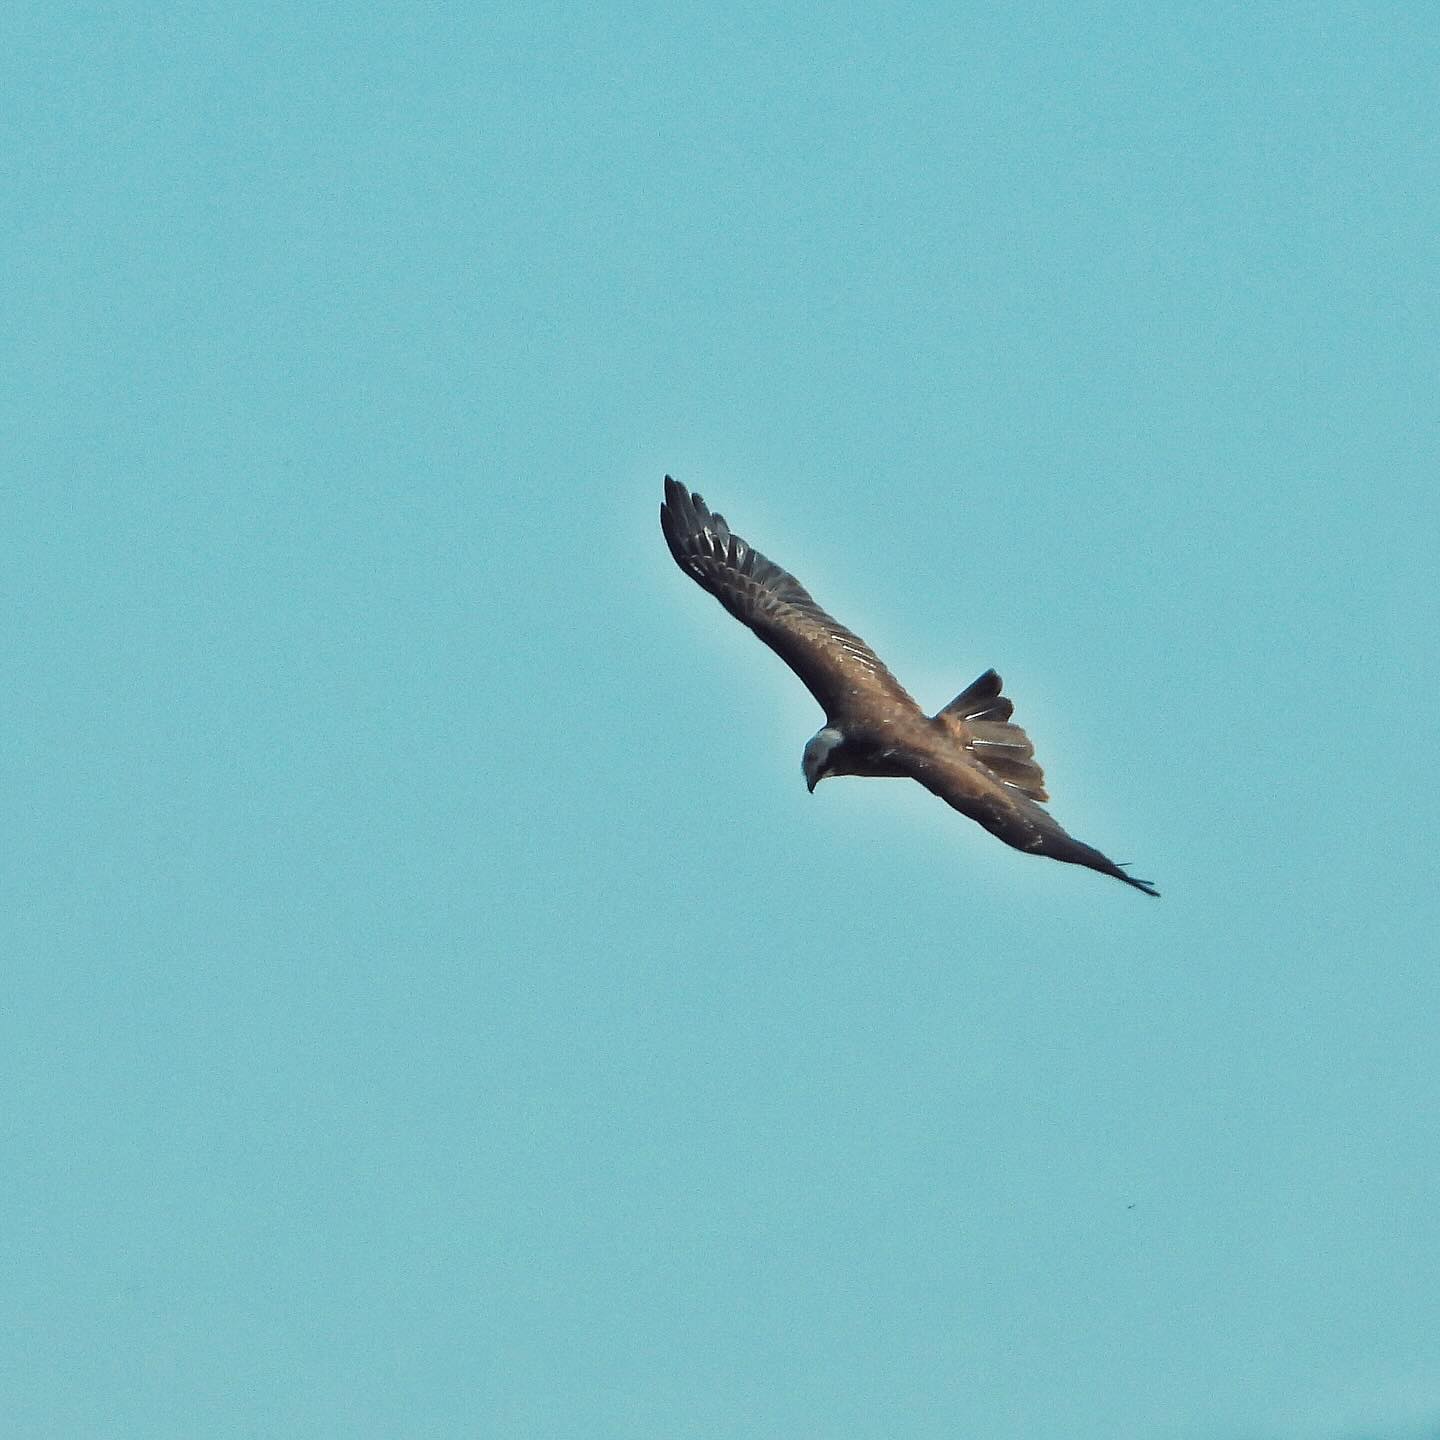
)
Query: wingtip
[
  {"x": 686, "y": 512},
  {"x": 675, "y": 509}
]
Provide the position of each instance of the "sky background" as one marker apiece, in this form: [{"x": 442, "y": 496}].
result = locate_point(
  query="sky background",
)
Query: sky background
[{"x": 432, "y": 1004}]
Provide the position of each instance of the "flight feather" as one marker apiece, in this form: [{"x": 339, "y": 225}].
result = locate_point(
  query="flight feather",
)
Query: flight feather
[{"x": 837, "y": 666}]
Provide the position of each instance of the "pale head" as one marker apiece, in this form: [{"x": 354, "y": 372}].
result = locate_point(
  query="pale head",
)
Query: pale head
[{"x": 816, "y": 760}]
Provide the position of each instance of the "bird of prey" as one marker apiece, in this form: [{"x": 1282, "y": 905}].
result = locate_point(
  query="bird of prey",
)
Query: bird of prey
[{"x": 970, "y": 754}]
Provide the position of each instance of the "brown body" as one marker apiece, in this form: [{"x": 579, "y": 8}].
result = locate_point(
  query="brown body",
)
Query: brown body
[{"x": 969, "y": 754}]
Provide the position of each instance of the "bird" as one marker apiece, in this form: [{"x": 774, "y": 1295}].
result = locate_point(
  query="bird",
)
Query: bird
[{"x": 971, "y": 753}]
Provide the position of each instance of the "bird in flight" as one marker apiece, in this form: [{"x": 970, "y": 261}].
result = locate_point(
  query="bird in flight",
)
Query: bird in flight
[{"x": 970, "y": 754}]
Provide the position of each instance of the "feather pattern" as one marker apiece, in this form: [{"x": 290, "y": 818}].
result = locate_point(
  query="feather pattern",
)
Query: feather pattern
[
  {"x": 1009, "y": 814},
  {"x": 979, "y": 718},
  {"x": 838, "y": 668}
]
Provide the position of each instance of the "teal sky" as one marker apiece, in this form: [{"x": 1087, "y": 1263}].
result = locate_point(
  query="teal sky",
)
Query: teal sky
[{"x": 433, "y": 1006}]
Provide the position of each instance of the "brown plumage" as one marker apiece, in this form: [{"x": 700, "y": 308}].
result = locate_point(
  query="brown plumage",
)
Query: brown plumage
[{"x": 970, "y": 754}]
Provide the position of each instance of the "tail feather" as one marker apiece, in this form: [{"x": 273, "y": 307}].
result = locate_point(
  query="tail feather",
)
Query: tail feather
[
  {"x": 981, "y": 700},
  {"x": 979, "y": 717}
]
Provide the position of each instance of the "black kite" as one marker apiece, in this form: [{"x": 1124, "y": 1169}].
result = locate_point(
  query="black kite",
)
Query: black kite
[{"x": 969, "y": 754}]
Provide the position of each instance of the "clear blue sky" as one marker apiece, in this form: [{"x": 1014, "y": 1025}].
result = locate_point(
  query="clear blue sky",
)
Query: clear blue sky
[{"x": 433, "y": 1006}]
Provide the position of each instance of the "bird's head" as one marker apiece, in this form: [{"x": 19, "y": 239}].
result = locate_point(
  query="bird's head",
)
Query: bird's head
[{"x": 816, "y": 760}]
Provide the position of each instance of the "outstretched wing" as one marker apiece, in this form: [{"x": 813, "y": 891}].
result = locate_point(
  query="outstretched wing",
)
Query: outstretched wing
[
  {"x": 1004, "y": 811},
  {"x": 839, "y": 669}
]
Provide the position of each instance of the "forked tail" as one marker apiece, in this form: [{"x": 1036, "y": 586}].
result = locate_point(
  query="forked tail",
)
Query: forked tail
[{"x": 979, "y": 719}]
